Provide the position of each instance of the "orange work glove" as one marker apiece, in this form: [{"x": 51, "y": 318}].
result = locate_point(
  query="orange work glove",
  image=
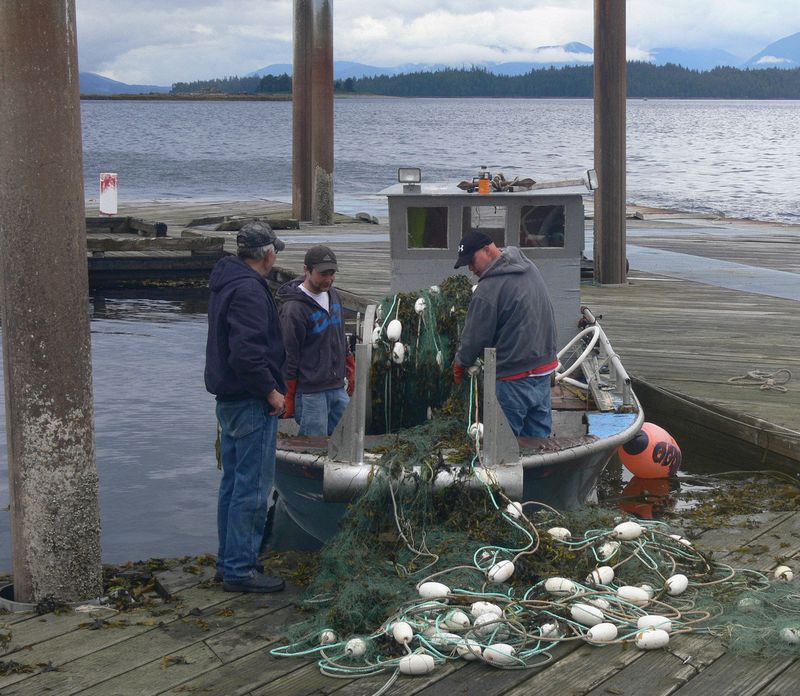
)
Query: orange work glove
[
  {"x": 458, "y": 373},
  {"x": 291, "y": 388},
  {"x": 350, "y": 373}
]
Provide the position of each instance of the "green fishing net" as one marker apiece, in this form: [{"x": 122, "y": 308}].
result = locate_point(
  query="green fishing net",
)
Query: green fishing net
[{"x": 551, "y": 577}]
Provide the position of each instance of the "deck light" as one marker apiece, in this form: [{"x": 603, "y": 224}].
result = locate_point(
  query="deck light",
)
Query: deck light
[
  {"x": 410, "y": 177},
  {"x": 591, "y": 179}
]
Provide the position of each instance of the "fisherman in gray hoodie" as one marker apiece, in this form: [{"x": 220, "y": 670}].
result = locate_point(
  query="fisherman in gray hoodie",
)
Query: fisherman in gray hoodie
[{"x": 512, "y": 312}]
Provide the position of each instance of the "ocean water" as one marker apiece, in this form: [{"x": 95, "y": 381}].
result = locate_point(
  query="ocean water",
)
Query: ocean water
[{"x": 733, "y": 157}]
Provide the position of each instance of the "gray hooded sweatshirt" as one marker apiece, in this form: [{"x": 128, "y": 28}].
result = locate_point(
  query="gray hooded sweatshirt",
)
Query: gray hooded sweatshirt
[{"x": 510, "y": 311}]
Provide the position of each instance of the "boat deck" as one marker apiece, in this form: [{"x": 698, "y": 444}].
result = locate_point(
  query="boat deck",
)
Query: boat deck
[{"x": 207, "y": 641}]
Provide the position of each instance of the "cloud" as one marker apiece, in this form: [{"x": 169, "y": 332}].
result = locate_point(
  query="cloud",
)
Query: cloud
[
  {"x": 773, "y": 60},
  {"x": 156, "y": 42}
]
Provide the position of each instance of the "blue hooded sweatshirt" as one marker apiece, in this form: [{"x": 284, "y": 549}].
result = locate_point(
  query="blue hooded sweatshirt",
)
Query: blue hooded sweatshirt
[
  {"x": 244, "y": 351},
  {"x": 315, "y": 340}
]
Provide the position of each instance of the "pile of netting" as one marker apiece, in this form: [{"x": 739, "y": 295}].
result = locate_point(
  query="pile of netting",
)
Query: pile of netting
[
  {"x": 419, "y": 576},
  {"x": 414, "y": 343}
]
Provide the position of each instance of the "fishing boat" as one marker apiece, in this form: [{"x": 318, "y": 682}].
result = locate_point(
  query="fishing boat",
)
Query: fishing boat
[{"x": 594, "y": 407}]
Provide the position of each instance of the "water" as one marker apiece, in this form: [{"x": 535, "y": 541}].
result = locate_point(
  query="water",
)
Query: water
[
  {"x": 155, "y": 429},
  {"x": 733, "y": 157}
]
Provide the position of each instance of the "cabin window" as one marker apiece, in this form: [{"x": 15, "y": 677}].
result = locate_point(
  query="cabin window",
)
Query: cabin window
[
  {"x": 489, "y": 219},
  {"x": 427, "y": 227},
  {"x": 541, "y": 226}
]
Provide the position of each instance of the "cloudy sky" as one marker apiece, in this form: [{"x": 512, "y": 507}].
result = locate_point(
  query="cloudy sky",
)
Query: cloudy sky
[{"x": 166, "y": 41}]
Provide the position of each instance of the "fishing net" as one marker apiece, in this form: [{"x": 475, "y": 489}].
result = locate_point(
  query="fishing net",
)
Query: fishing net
[{"x": 420, "y": 575}]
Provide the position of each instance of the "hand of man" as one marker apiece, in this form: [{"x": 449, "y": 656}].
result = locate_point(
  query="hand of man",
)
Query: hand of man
[
  {"x": 291, "y": 386},
  {"x": 350, "y": 373},
  {"x": 276, "y": 400},
  {"x": 458, "y": 373}
]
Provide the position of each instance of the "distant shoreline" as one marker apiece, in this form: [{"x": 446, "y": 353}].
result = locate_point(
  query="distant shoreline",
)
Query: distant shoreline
[{"x": 166, "y": 96}]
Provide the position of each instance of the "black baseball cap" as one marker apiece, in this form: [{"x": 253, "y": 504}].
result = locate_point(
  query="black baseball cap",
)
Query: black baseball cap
[
  {"x": 469, "y": 244},
  {"x": 321, "y": 258},
  {"x": 255, "y": 234}
]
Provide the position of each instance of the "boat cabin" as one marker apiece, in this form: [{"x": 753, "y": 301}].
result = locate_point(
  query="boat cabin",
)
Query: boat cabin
[{"x": 427, "y": 221}]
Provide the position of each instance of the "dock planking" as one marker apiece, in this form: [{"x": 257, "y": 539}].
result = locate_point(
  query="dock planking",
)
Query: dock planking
[{"x": 206, "y": 641}]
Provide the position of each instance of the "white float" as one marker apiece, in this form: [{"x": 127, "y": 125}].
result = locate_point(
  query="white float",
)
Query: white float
[
  {"x": 560, "y": 533},
  {"x": 651, "y": 639},
  {"x": 626, "y": 531},
  {"x": 500, "y": 655},
  {"x": 586, "y": 614},
  {"x": 417, "y": 664},
  {"x": 500, "y": 571},
  {"x": 602, "y": 633},
  {"x": 654, "y": 621},
  {"x": 676, "y": 584},
  {"x": 433, "y": 590}
]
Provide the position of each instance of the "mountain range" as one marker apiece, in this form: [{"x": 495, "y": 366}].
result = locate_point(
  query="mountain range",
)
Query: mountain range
[{"x": 783, "y": 53}]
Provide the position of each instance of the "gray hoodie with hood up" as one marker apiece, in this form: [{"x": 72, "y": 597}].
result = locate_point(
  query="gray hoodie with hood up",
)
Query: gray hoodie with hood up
[{"x": 510, "y": 311}]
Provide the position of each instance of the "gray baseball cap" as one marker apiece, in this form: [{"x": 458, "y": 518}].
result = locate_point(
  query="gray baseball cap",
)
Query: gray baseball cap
[{"x": 256, "y": 234}]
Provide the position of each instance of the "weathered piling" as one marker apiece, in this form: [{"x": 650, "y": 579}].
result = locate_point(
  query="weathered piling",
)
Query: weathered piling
[
  {"x": 43, "y": 293},
  {"x": 610, "y": 88},
  {"x": 301, "y": 111}
]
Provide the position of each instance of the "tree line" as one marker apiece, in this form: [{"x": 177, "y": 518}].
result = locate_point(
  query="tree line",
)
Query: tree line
[{"x": 645, "y": 80}]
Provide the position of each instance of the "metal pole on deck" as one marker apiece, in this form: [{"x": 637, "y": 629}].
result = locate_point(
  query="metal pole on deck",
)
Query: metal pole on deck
[
  {"x": 301, "y": 111},
  {"x": 322, "y": 113},
  {"x": 53, "y": 484},
  {"x": 610, "y": 89}
]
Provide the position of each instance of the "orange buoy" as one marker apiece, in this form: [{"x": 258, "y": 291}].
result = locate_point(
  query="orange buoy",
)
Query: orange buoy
[
  {"x": 653, "y": 453},
  {"x": 645, "y": 497}
]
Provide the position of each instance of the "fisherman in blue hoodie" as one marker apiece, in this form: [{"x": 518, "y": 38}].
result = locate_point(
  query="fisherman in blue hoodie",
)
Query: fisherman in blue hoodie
[
  {"x": 244, "y": 361},
  {"x": 316, "y": 346},
  {"x": 511, "y": 311}
]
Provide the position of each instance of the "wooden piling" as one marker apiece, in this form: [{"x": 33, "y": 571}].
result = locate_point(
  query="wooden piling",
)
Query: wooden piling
[
  {"x": 610, "y": 88},
  {"x": 322, "y": 113},
  {"x": 301, "y": 111},
  {"x": 55, "y": 517}
]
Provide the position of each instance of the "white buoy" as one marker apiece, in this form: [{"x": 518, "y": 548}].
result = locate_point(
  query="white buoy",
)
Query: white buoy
[
  {"x": 327, "y": 637},
  {"x": 433, "y": 590},
  {"x": 550, "y": 630},
  {"x": 602, "y": 575},
  {"x": 626, "y": 531},
  {"x": 790, "y": 634},
  {"x": 654, "y": 621},
  {"x": 600, "y": 603},
  {"x": 586, "y": 614},
  {"x": 419, "y": 305},
  {"x": 439, "y": 638},
  {"x": 500, "y": 571},
  {"x": 475, "y": 431},
  {"x": 108, "y": 193},
  {"x": 634, "y": 595},
  {"x": 480, "y": 608},
  {"x": 560, "y": 586},
  {"x": 355, "y": 647},
  {"x": 468, "y": 649},
  {"x": 500, "y": 655},
  {"x": 376, "y": 335},
  {"x": 676, "y": 584},
  {"x": 394, "y": 330},
  {"x": 749, "y": 604},
  {"x": 457, "y": 620},
  {"x": 416, "y": 664},
  {"x": 602, "y": 633},
  {"x": 402, "y": 632},
  {"x": 559, "y": 533},
  {"x": 651, "y": 639},
  {"x": 649, "y": 589},
  {"x": 783, "y": 572},
  {"x": 398, "y": 353},
  {"x": 514, "y": 509},
  {"x": 608, "y": 550},
  {"x": 487, "y": 624}
]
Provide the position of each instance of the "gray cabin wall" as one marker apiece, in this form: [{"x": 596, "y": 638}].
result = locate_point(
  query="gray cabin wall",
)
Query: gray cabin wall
[{"x": 412, "y": 269}]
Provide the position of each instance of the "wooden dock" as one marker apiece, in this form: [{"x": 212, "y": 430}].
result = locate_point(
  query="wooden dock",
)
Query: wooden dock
[{"x": 194, "y": 638}]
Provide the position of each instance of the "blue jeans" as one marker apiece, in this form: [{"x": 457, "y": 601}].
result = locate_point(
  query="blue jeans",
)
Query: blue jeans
[
  {"x": 318, "y": 413},
  {"x": 526, "y": 403},
  {"x": 248, "y": 441}
]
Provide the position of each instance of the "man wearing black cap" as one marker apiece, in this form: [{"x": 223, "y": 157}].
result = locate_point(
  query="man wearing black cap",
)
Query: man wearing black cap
[
  {"x": 244, "y": 361},
  {"x": 511, "y": 311},
  {"x": 316, "y": 347}
]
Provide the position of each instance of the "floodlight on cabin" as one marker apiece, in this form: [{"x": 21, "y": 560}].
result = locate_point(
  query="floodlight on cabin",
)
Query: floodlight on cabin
[
  {"x": 591, "y": 179},
  {"x": 410, "y": 177}
]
